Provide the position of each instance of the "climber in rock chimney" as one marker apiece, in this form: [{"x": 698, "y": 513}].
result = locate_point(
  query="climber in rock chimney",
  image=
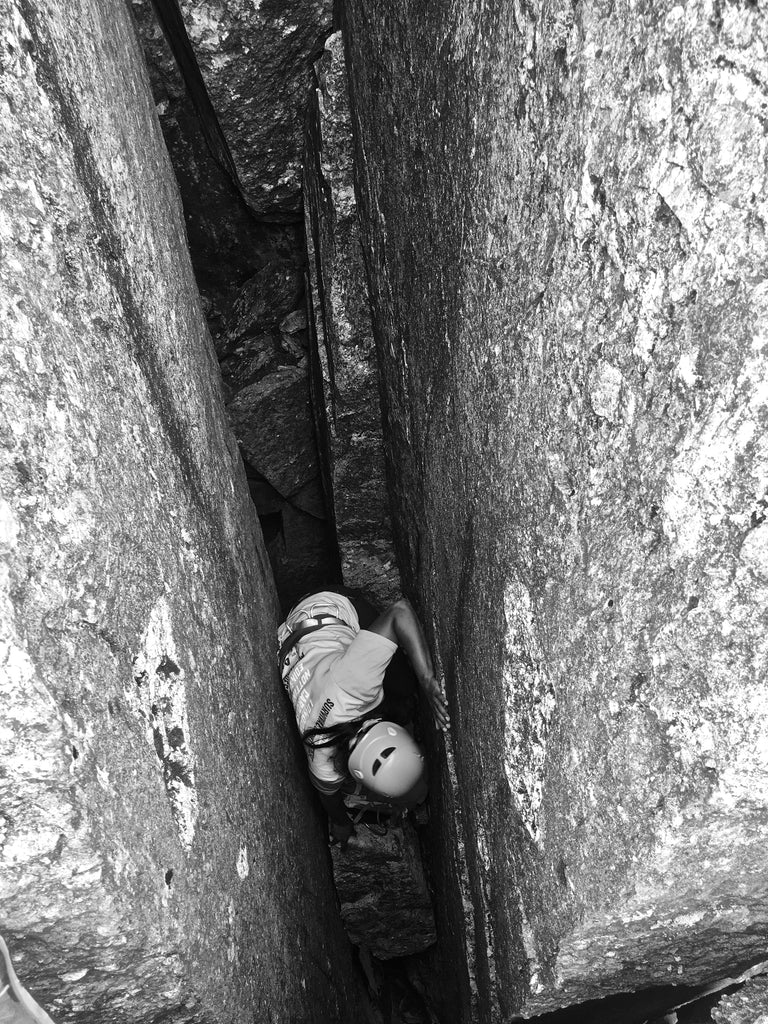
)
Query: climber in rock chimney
[{"x": 353, "y": 691}]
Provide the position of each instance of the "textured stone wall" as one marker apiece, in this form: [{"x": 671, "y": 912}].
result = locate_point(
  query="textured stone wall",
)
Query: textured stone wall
[
  {"x": 565, "y": 213},
  {"x": 346, "y": 372},
  {"x": 244, "y": 223},
  {"x": 255, "y": 61},
  {"x": 747, "y": 1005},
  {"x": 150, "y": 859}
]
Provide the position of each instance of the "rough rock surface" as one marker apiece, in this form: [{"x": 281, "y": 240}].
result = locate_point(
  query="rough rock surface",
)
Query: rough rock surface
[
  {"x": 256, "y": 65},
  {"x": 748, "y": 1005},
  {"x": 346, "y": 371},
  {"x": 149, "y": 861},
  {"x": 255, "y": 60},
  {"x": 385, "y": 904},
  {"x": 264, "y": 359},
  {"x": 565, "y": 211}
]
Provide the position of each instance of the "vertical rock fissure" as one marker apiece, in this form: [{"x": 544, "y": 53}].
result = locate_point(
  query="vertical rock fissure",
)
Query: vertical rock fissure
[
  {"x": 385, "y": 903},
  {"x": 169, "y": 16},
  {"x": 254, "y": 291}
]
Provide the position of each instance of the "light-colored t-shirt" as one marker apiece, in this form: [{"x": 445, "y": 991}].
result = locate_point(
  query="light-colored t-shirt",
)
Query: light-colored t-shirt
[{"x": 334, "y": 674}]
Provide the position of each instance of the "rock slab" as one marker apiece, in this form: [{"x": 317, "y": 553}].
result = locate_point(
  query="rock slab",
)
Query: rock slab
[
  {"x": 149, "y": 861},
  {"x": 255, "y": 62},
  {"x": 564, "y": 209},
  {"x": 385, "y": 904}
]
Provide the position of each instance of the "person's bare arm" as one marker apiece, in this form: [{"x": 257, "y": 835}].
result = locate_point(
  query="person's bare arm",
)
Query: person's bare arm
[{"x": 400, "y": 625}]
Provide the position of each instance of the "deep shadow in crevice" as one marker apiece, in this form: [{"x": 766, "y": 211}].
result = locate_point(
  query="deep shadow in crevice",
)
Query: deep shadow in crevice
[{"x": 692, "y": 1004}]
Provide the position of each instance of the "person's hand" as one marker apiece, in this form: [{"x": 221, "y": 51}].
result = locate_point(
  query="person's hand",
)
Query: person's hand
[
  {"x": 434, "y": 690},
  {"x": 341, "y": 833}
]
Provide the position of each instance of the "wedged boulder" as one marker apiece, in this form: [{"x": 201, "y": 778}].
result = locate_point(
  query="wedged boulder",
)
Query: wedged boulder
[
  {"x": 385, "y": 904},
  {"x": 270, "y": 298},
  {"x": 272, "y": 421},
  {"x": 264, "y": 359},
  {"x": 345, "y": 371},
  {"x": 227, "y": 243},
  {"x": 255, "y": 62},
  {"x": 562, "y": 211},
  {"x": 240, "y": 54},
  {"x": 150, "y": 863}
]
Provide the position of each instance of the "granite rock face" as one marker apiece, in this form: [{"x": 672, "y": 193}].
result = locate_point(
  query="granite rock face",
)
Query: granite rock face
[
  {"x": 149, "y": 861},
  {"x": 346, "y": 381},
  {"x": 244, "y": 223},
  {"x": 565, "y": 213},
  {"x": 748, "y": 1005},
  {"x": 255, "y": 61}
]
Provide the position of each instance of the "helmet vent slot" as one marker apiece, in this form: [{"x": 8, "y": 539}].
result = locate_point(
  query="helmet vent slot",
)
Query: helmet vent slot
[{"x": 382, "y": 757}]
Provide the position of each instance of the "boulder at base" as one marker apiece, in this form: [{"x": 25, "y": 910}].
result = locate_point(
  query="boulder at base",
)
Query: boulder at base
[{"x": 747, "y": 1005}]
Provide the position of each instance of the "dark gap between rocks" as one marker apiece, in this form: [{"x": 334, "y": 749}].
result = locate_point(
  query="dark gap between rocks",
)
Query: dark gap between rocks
[{"x": 665, "y": 1004}]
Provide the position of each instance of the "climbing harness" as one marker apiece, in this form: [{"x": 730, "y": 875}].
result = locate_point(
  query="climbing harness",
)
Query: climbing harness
[
  {"x": 376, "y": 817},
  {"x": 304, "y": 628}
]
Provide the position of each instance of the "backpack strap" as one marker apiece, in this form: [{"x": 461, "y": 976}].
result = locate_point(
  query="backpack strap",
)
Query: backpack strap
[{"x": 306, "y": 626}]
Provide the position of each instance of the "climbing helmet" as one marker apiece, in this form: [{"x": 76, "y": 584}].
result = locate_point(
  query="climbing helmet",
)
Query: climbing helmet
[{"x": 386, "y": 759}]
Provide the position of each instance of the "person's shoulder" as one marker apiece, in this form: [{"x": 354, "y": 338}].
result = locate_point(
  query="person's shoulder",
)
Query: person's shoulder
[
  {"x": 368, "y": 639},
  {"x": 324, "y": 602}
]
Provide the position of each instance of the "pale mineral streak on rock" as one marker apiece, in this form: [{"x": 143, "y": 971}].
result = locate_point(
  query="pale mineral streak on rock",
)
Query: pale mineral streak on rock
[
  {"x": 157, "y": 695},
  {"x": 528, "y": 709},
  {"x": 243, "y": 867}
]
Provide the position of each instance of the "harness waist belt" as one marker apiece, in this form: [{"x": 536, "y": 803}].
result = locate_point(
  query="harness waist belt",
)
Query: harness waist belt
[{"x": 306, "y": 626}]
